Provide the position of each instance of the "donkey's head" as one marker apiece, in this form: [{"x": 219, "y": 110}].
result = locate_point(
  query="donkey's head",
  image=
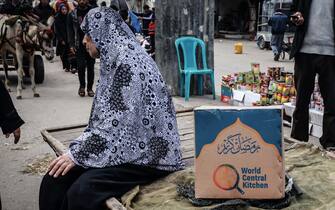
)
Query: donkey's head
[{"x": 45, "y": 37}]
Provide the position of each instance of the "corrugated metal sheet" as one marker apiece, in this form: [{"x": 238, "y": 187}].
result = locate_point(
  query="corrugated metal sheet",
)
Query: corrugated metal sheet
[{"x": 174, "y": 19}]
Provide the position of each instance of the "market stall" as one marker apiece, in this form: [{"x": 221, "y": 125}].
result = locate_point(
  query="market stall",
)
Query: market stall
[{"x": 275, "y": 87}]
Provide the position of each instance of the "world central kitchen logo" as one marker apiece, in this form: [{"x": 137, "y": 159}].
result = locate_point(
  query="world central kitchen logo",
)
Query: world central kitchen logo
[
  {"x": 254, "y": 178},
  {"x": 227, "y": 178}
]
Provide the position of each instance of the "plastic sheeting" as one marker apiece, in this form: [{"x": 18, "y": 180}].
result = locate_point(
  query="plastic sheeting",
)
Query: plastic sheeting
[{"x": 312, "y": 170}]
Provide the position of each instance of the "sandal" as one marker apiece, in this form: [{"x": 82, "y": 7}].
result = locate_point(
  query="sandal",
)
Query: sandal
[
  {"x": 90, "y": 93},
  {"x": 81, "y": 92}
]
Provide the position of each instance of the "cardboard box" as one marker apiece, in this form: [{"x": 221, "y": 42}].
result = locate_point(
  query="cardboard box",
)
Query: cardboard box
[{"x": 239, "y": 153}]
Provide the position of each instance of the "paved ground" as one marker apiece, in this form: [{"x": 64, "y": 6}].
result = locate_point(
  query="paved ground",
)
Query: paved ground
[{"x": 59, "y": 105}]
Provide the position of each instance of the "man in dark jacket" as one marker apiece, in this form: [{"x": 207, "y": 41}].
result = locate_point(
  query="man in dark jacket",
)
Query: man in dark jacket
[
  {"x": 278, "y": 23},
  {"x": 10, "y": 121},
  {"x": 75, "y": 39},
  {"x": 314, "y": 53},
  {"x": 43, "y": 10}
]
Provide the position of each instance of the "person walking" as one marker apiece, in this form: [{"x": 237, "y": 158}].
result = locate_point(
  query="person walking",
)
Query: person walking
[
  {"x": 278, "y": 23},
  {"x": 62, "y": 47},
  {"x": 146, "y": 18},
  {"x": 43, "y": 10},
  {"x": 131, "y": 138},
  {"x": 75, "y": 39},
  {"x": 314, "y": 52},
  {"x": 69, "y": 4}
]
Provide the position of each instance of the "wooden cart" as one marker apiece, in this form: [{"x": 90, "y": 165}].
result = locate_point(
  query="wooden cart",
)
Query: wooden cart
[{"x": 60, "y": 138}]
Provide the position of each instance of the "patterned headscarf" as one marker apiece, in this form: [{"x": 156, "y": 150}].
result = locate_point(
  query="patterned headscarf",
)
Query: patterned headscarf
[{"x": 133, "y": 119}]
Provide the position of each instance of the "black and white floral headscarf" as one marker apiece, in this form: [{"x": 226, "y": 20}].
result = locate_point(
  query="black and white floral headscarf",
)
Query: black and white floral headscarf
[{"x": 132, "y": 119}]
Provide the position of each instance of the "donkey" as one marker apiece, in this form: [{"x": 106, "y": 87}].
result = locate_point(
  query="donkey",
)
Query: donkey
[{"x": 23, "y": 37}]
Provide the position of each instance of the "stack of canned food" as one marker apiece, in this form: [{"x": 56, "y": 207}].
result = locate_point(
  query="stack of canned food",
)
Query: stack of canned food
[
  {"x": 275, "y": 87},
  {"x": 281, "y": 87}
]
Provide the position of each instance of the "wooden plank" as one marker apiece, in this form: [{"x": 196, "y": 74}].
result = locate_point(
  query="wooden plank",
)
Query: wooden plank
[
  {"x": 189, "y": 161},
  {"x": 183, "y": 132},
  {"x": 69, "y": 132},
  {"x": 188, "y": 154},
  {"x": 184, "y": 114},
  {"x": 59, "y": 138},
  {"x": 187, "y": 144},
  {"x": 187, "y": 137},
  {"x": 55, "y": 144}
]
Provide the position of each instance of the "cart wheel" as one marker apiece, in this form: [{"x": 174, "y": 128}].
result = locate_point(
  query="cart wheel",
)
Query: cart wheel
[
  {"x": 39, "y": 69},
  {"x": 261, "y": 43}
]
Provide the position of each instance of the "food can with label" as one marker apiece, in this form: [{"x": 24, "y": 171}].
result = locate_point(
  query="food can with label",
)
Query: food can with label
[
  {"x": 289, "y": 79},
  {"x": 284, "y": 99},
  {"x": 286, "y": 90},
  {"x": 255, "y": 68},
  {"x": 264, "y": 99},
  {"x": 280, "y": 87},
  {"x": 271, "y": 71},
  {"x": 279, "y": 95}
]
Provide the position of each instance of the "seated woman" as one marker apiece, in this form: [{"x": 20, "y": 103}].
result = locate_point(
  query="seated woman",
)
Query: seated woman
[{"x": 131, "y": 138}]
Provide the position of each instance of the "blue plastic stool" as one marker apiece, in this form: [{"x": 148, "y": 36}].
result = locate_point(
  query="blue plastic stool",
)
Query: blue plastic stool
[{"x": 189, "y": 47}]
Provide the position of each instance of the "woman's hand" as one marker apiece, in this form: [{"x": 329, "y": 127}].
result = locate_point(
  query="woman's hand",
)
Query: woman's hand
[
  {"x": 73, "y": 50},
  {"x": 61, "y": 165}
]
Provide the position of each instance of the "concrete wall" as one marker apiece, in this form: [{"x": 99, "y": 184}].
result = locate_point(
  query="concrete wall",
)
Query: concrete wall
[{"x": 174, "y": 19}]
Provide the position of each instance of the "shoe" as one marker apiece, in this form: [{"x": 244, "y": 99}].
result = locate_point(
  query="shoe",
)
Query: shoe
[
  {"x": 73, "y": 70},
  {"x": 66, "y": 70},
  {"x": 276, "y": 58},
  {"x": 90, "y": 93},
  {"x": 81, "y": 92}
]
